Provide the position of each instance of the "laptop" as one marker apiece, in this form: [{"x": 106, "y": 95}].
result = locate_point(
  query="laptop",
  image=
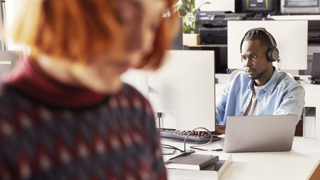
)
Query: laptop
[{"x": 268, "y": 133}]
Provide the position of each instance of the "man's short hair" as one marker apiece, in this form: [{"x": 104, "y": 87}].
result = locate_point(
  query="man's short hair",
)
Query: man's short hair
[{"x": 259, "y": 35}]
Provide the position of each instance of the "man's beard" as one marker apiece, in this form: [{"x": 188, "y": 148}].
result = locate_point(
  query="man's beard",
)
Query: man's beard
[{"x": 253, "y": 74}]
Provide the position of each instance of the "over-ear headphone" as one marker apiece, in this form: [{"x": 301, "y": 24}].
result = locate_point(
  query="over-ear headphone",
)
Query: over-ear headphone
[{"x": 272, "y": 53}]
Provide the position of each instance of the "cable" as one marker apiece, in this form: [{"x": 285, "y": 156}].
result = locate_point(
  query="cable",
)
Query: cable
[
  {"x": 193, "y": 147},
  {"x": 159, "y": 115},
  {"x": 166, "y": 146},
  {"x": 207, "y": 149}
]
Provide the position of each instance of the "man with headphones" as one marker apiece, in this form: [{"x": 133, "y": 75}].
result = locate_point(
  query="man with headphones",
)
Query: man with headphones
[{"x": 261, "y": 89}]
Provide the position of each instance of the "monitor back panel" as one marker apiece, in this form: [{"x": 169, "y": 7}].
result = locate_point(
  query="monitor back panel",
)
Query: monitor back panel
[
  {"x": 260, "y": 133},
  {"x": 183, "y": 89}
]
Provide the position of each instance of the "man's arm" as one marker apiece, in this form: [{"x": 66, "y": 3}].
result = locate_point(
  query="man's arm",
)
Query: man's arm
[
  {"x": 292, "y": 102},
  {"x": 221, "y": 105}
]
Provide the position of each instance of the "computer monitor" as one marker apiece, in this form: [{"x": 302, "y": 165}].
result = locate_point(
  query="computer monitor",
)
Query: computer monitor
[
  {"x": 300, "y": 6},
  {"x": 263, "y": 6},
  {"x": 183, "y": 89},
  {"x": 8, "y": 60},
  {"x": 291, "y": 38}
]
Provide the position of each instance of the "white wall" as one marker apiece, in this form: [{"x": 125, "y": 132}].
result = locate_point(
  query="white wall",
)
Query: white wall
[
  {"x": 1, "y": 31},
  {"x": 216, "y": 5}
]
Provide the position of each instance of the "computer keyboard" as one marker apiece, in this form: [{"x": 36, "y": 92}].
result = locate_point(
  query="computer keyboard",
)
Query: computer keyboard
[{"x": 178, "y": 134}]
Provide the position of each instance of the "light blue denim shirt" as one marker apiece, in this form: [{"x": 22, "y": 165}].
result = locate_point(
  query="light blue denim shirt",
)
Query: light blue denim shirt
[{"x": 281, "y": 95}]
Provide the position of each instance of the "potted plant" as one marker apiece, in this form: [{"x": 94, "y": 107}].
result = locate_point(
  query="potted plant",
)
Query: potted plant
[{"x": 187, "y": 11}]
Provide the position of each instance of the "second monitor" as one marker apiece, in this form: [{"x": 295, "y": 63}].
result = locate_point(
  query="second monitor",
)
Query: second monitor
[{"x": 183, "y": 90}]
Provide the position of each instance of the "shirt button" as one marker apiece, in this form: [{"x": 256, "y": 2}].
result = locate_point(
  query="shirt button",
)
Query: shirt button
[{"x": 240, "y": 112}]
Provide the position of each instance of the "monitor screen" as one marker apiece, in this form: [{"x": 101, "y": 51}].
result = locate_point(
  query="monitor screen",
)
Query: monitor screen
[
  {"x": 183, "y": 89},
  {"x": 257, "y": 5},
  {"x": 301, "y": 3},
  {"x": 291, "y": 38},
  {"x": 300, "y": 6}
]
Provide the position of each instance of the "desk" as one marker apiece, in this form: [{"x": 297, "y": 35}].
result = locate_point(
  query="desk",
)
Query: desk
[
  {"x": 312, "y": 96},
  {"x": 297, "y": 164}
]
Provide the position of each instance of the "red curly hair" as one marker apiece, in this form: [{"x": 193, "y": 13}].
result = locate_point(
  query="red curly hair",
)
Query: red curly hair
[{"x": 76, "y": 29}]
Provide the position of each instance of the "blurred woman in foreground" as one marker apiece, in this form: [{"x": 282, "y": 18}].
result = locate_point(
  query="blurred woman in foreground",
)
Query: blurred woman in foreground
[{"x": 64, "y": 112}]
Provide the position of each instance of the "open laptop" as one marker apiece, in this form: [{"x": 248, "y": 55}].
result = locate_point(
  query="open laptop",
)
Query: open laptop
[{"x": 259, "y": 133}]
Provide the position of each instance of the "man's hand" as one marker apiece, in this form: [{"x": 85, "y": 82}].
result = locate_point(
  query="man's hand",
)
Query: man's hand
[{"x": 220, "y": 129}]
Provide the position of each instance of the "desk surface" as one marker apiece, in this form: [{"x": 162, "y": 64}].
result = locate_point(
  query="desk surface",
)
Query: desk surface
[{"x": 297, "y": 164}]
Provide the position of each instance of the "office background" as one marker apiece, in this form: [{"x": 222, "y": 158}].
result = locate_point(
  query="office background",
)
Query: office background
[
  {"x": 11, "y": 8},
  {"x": 299, "y": 163},
  {"x": 280, "y": 10}
]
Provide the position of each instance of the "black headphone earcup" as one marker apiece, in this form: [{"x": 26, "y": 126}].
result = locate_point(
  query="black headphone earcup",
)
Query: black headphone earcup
[{"x": 272, "y": 54}]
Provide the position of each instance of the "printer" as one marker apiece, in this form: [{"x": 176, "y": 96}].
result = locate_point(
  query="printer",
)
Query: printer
[{"x": 212, "y": 25}]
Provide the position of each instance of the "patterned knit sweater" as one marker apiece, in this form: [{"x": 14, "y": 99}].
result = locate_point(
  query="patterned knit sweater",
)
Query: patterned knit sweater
[{"x": 52, "y": 131}]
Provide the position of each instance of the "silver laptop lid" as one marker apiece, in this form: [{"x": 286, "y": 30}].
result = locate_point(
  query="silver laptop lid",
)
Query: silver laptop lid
[{"x": 259, "y": 133}]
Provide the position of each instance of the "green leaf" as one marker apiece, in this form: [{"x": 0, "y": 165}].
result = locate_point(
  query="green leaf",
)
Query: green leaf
[
  {"x": 180, "y": 5},
  {"x": 185, "y": 29},
  {"x": 194, "y": 10},
  {"x": 187, "y": 11},
  {"x": 186, "y": 7},
  {"x": 191, "y": 2},
  {"x": 204, "y": 4},
  {"x": 177, "y": 6},
  {"x": 189, "y": 19}
]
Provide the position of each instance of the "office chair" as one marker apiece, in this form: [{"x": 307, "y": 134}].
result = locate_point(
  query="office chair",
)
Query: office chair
[{"x": 234, "y": 73}]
